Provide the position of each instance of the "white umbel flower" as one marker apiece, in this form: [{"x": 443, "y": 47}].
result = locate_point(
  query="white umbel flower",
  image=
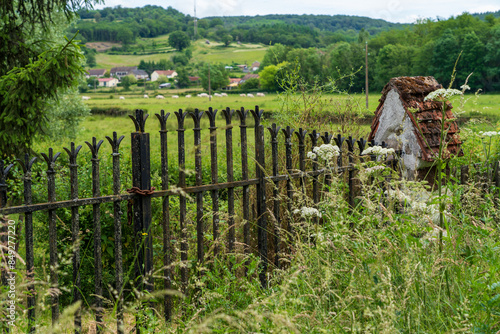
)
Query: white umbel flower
[
  {"x": 325, "y": 152},
  {"x": 378, "y": 150},
  {"x": 307, "y": 212},
  {"x": 442, "y": 94}
]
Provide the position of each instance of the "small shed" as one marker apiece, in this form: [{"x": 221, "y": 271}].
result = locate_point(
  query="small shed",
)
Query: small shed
[{"x": 406, "y": 122}]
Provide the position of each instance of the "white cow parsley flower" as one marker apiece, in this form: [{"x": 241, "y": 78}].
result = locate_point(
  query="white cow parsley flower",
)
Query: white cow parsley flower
[
  {"x": 307, "y": 212},
  {"x": 325, "y": 152},
  {"x": 378, "y": 150},
  {"x": 442, "y": 94}
]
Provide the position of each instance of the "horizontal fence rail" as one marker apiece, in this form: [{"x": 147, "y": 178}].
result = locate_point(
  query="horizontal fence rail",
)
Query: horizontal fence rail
[{"x": 247, "y": 211}]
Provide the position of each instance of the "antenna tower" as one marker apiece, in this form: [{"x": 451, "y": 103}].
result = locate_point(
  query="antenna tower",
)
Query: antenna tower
[{"x": 195, "y": 22}]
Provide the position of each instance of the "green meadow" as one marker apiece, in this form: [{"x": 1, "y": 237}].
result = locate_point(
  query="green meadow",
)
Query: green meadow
[{"x": 213, "y": 52}]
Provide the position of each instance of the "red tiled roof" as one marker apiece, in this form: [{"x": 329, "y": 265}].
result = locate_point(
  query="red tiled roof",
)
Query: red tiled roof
[
  {"x": 194, "y": 78},
  {"x": 105, "y": 79},
  {"x": 424, "y": 114},
  {"x": 167, "y": 73}
]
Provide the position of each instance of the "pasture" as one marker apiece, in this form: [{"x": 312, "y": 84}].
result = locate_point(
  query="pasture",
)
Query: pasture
[{"x": 213, "y": 52}]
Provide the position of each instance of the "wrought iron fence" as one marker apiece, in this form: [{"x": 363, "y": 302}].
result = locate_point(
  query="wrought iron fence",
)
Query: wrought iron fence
[{"x": 254, "y": 191}]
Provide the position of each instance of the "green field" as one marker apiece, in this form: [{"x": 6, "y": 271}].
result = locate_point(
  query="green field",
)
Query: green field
[{"x": 213, "y": 52}]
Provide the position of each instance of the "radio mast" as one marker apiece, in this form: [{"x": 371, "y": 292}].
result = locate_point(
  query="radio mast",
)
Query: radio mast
[{"x": 195, "y": 22}]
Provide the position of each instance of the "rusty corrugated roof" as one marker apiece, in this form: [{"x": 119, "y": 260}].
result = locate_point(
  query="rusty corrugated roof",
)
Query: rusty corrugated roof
[{"x": 424, "y": 114}]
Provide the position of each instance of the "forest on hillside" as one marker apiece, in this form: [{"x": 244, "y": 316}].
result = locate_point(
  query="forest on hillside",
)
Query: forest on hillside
[
  {"x": 124, "y": 25},
  {"x": 322, "y": 48}
]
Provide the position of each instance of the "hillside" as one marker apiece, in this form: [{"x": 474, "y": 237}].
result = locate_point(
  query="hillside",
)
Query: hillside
[
  {"x": 126, "y": 25},
  {"x": 331, "y": 23}
]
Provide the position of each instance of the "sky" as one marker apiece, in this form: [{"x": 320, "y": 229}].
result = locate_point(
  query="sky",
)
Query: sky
[{"x": 403, "y": 11}]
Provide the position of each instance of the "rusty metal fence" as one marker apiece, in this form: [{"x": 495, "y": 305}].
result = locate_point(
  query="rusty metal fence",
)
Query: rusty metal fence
[{"x": 265, "y": 214}]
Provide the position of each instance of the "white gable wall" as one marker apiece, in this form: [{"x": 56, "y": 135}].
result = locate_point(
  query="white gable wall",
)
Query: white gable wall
[{"x": 397, "y": 130}]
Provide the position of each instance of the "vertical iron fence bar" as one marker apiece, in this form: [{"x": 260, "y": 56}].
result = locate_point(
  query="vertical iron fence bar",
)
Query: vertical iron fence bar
[
  {"x": 28, "y": 231},
  {"x": 117, "y": 215},
  {"x": 4, "y": 230},
  {"x": 274, "y": 130},
  {"x": 327, "y": 139},
  {"x": 196, "y": 116},
  {"x": 350, "y": 148},
  {"x": 289, "y": 191},
  {"x": 3, "y": 226},
  {"x": 141, "y": 181},
  {"x": 261, "y": 196},
  {"x": 215, "y": 178},
  {"x": 301, "y": 135},
  {"x": 242, "y": 113},
  {"x": 464, "y": 174},
  {"x": 75, "y": 231},
  {"x": 228, "y": 113},
  {"x": 315, "y": 192},
  {"x": 51, "y": 189},
  {"x": 96, "y": 209},
  {"x": 167, "y": 271},
  {"x": 181, "y": 116},
  {"x": 339, "y": 140},
  {"x": 361, "y": 144}
]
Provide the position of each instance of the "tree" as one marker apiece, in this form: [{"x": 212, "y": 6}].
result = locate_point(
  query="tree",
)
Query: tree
[
  {"x": 38, "y": 71},
  {"x": 182, "y": 78},
  {"x": 219, "y": 77},
  {"x": 227, "y": 39},
  {"x": 252, "y": 83},
  {"x": 179, "y": 40},
  {"x": 270, "y": 77},
  {"x": 128, "y": 81}
]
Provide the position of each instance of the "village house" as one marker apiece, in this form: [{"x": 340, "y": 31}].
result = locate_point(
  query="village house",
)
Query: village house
[
  {"x": 248, "y": 76},
  {"x": 255, "y": 66},
  {"x": 108, "y": 82},
  {"x": 243, "y": 68},
  {"x": 194, "y": 80},
  {"x": 140, "y": 74},
  {"x": 122, "y": 71},
  {"x": 169, "y": 74},
  {"x": 98, "y": 73},
  {"x": 404, "y": 121},
  {"x": 233, "y": 83}
]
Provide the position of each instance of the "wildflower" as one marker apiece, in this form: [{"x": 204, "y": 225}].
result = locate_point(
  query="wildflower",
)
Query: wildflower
[
  {"x": 489, "y": 133},
  {"x": 442, "y": 94},
  {"x": 307, "y": 212},
  {"x": 311, "y": 155},
  {"x": 373, "y": 169},
  {"x": 378, "y": 150},
  {"x": 325, "y": 152},
  {"x": 465, "y": 87}
]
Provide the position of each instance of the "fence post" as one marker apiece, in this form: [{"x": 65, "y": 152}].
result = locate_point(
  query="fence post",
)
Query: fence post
[
  {"x": 274, "y": 130},
  {"x": 96, "y": 216},
  {"x": 215, "y": 178},
  {"x": 181, "y": 116},
  {"x": 75, "y": 232},
  {"x": 141, "y": 181},
  {"x": 196, "y": 116},
  {"x": 117, "y": 215},
  {"x": 167, "y": 272},
  {"x": 242, "y": 113},
  {"x": 301, "y": 135},
  {"x": 261, "y": 196},
  {"x": 350, "y": 147},
  {"x": 51, "y": 189},
  {"x": 3, "y": 229},
  {"x": 289, "y": 191},
  {"x": 28, "y": 231},
  {"x": 228, "y": 114}
]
